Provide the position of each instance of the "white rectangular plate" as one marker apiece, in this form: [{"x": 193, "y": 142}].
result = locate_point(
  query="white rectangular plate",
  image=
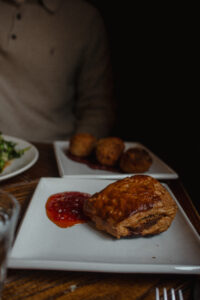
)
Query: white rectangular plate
[
  {"x": 68, "y": 167},
  {"x": 40, "y": 244}
]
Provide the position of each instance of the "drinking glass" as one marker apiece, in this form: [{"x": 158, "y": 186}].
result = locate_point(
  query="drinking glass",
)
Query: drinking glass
[{"x": 9, "y": 212}]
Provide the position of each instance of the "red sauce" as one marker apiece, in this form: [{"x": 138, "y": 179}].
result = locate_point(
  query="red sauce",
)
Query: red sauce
[
  {"x": 66, "y": 209},
  {"x": 92, "y": 162}
]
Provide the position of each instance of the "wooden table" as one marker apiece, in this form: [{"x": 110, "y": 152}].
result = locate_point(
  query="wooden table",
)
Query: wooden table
[{"x": 37, "y": 284}]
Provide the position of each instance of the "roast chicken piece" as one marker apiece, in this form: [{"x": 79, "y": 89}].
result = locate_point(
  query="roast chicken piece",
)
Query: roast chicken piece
[{"x": 135, "y": 206}]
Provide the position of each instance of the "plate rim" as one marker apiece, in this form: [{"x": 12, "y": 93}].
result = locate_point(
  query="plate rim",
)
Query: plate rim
[{"x": 65, "y": 265}]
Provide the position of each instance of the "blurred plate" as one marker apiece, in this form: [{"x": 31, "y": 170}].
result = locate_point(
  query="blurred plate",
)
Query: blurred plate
[
  {"x": 23, "y": 163},
  {"x": 40, "y": 244},
  {"x": 68, "y": 167}
]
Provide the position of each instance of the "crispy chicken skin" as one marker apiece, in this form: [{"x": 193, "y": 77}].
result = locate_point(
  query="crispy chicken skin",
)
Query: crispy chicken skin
[
  {"x": 82, "y": 144},
  {"x": 109, "y": 150},
  {"x": 135, "y": 206},
  {"x": 135, "y": 160}
]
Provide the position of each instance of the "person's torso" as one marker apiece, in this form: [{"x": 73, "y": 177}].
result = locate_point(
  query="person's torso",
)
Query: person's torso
[{"x": 40, "y": 55}]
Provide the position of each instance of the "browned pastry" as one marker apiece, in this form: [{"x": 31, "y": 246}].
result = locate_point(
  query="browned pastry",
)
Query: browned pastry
[
  {"x": 135, "y": 160},
  {"x": 109, "y": 150},
  {"x": 135, "y": 206},
  {"x": 82, "y": 144}
]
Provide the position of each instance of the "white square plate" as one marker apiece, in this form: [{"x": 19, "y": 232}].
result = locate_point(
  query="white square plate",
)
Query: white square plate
[
  {"x": 40, "y": 244},
  {"x": 68, "y": 167}
]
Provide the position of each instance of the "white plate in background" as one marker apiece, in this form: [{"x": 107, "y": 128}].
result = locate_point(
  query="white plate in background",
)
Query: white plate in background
[
  {"x": 68, "y": 167},
  {"x": 40, "y": 244},
  {"x": 23, "y": 163}
]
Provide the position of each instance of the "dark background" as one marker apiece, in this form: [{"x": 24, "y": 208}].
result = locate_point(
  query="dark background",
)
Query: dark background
[{"x": 153, "y": 52}]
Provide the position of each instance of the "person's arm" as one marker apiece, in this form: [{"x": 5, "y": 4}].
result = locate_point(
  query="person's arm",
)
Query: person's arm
[{"x": 95, "y": 105}]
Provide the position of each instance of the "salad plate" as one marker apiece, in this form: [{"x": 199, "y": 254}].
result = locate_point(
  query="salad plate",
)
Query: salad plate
[
  {"x": 22, "y": 163},
  {"x": 42, "y": 244}
]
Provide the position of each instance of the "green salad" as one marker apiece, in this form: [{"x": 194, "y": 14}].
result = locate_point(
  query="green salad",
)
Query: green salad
[{"x": 8, "y": 152}]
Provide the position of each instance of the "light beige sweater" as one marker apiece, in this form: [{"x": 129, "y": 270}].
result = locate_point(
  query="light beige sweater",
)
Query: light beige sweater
[{"x": 55, "y": 76}]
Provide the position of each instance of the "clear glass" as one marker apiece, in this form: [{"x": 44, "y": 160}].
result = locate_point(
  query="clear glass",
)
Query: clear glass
[{"x": 9, "y": 212}]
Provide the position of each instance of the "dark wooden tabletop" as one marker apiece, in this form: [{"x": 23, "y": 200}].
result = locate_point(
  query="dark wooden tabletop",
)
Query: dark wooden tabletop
[{"x": 42, "y": 284}]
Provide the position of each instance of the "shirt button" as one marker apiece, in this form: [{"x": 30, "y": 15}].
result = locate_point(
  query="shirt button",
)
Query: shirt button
[
  {"x": 18, "y": 16},
  {"x": 13, "y": 36}
]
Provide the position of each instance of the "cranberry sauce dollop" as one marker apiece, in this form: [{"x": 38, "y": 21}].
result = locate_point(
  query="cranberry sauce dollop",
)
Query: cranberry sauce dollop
[
  {"x": 92, "y": 163},
  {"x": 66, "y": 209}
]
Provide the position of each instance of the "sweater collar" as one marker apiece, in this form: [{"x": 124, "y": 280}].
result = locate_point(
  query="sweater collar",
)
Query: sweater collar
[{"x": 52, "y": 5}]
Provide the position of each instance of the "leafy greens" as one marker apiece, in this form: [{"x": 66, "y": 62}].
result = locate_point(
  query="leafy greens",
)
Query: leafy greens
[{"x": 8, "y": 152}]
